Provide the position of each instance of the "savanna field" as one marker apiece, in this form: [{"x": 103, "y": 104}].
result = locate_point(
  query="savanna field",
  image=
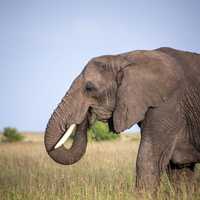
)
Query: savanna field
[{"x": 106, "y": 172}]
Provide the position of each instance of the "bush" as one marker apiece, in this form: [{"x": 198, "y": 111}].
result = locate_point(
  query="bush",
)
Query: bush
[
  {"x": 11, "y": 135},
  {"x": 100, "y": 131}
]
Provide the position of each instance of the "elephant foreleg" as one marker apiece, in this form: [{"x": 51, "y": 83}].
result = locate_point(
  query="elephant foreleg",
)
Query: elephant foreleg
[
  {"x": 147, "y": 170},
  {"x": 152, "y": 160},
  {"x": 158, "y": 139}
]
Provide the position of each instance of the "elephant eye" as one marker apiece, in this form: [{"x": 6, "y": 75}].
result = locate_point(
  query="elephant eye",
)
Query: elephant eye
[{"x": 90, "y": 87}]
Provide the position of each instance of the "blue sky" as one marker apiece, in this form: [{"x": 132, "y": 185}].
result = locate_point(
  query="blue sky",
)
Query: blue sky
[{"x": 44, "y": 45}]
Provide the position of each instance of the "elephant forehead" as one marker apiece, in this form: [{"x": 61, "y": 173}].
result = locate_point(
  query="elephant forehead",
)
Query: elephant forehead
[{"x": 93, "y": 75}]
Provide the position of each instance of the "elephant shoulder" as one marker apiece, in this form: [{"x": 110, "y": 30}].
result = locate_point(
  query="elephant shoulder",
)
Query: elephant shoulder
[
  {"x": 179, "y": 54},
  {"x": 189, "y": 61}
]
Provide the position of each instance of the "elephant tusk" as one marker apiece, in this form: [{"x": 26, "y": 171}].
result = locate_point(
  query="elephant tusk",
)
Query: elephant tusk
[{"x": 65, "y": 136}]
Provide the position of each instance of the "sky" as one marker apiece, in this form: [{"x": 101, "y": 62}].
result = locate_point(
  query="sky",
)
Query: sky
[{"x": 44, "y": 45}]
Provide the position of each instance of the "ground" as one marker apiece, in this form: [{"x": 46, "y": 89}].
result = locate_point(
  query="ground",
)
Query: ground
[{"x": 106, "y": 172}]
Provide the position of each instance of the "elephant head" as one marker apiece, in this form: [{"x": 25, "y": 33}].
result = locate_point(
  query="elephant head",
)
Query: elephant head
[{"x": 117, "y": 89}]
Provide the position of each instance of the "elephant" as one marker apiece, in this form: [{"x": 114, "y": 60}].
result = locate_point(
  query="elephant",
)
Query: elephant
[{"x": 157, "y": 89}]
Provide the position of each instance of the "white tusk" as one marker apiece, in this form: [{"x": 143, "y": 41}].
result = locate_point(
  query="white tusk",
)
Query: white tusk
[{"x": 65, "y": 136}]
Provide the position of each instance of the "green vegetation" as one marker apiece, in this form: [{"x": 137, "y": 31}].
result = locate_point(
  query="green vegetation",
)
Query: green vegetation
[
  {"x": 11, "y": 135},
  {"x": 100, "y": 131}
]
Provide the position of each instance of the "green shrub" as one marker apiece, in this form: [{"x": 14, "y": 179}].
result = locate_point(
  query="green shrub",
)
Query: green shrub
[
  {"x": 100, "y": 131},
  {"x": 11, "y": 135}
]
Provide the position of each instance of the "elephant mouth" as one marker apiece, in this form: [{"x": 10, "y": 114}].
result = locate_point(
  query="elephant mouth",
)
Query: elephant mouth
[
  {"x": 105, "y": 119},
  {"x": 92, "y": 117},
  {"x": 103, "y": 116}
]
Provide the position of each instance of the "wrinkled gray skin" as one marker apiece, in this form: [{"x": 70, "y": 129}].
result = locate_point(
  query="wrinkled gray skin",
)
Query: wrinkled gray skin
[{"x": 159, "y": 90}]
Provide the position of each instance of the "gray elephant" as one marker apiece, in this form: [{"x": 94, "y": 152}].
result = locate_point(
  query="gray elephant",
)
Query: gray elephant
[{"x": 159, "y": 90}]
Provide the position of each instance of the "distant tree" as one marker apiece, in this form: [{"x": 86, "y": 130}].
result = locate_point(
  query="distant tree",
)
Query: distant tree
[{"x": 11, "y": 135}]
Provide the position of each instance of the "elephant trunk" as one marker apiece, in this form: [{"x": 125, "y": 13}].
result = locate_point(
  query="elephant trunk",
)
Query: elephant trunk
[{"x": 59, "y": 122}]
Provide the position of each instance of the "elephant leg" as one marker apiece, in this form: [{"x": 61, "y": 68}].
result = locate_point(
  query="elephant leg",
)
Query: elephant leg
[
  {"x": 151, "y": 161},
  {"x": 147, "y": 171},
  {"x": 159, "y": 132},
  {"x": 181, "y": 174}
]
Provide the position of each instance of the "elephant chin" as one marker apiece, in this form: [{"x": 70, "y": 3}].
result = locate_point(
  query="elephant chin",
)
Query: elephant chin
[{"x": 69, "y": 156}]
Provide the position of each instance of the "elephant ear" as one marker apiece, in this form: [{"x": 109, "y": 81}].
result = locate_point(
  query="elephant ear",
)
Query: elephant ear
[{"x": 140, "y": 87}]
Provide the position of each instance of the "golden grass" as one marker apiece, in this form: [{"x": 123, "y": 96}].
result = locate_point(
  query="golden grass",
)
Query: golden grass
[{"x": 106, "y": 172}]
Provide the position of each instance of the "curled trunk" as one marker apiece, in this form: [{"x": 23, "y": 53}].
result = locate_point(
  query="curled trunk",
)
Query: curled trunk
[
  {"x": 59, "y": 122},
  {"x": 68, "y": 156}
]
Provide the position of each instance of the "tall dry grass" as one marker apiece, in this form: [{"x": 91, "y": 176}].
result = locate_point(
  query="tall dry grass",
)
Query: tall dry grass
[{"x": 106, "y": 172}]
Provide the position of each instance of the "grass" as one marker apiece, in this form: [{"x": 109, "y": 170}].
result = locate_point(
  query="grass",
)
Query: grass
[{"x": 106, "y": 172}]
